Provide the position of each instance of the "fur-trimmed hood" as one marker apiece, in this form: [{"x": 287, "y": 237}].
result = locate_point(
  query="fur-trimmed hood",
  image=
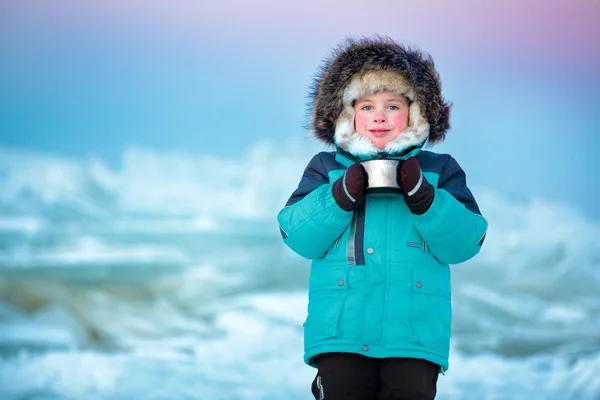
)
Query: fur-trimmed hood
[{"x": 361, "y": 67}]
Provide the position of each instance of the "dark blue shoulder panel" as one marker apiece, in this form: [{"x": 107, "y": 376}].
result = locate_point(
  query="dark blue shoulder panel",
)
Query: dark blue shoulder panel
[
  {"x": 315, "y": 175},
  {"x": 452, "y": 177},
  {"x": 432, "y": 162}
]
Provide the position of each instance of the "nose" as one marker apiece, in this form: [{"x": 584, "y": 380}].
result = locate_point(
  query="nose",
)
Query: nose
[{"x": 379, "y": 117}]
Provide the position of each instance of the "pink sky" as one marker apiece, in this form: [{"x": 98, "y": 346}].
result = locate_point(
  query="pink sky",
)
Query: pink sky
[{"x": 546, "y": 28}]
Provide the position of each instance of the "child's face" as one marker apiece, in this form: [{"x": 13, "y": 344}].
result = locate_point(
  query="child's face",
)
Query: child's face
[{"x": 381, "y": 117}]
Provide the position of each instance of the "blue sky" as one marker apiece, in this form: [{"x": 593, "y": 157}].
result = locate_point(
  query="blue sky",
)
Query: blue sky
[{"x": 91, "y": 80}]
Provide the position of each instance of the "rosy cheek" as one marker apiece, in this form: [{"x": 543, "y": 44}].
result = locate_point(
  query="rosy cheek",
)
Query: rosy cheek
[
  {"x": 400, "y": 120},
  {"x": 361, "y": 120}
]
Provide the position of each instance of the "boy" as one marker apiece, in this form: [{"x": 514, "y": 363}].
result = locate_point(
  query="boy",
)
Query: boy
[{"x": 379, "y": 312}]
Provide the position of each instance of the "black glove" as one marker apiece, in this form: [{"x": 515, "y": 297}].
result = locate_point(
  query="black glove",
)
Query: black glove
[
  {"x": 348, "y": 191},
  {"x": 418, "y": 193}
]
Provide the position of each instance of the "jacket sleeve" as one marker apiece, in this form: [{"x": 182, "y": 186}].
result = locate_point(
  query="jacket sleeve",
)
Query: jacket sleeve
[
  {"x": 312, "y": 221},
  {"x": 453, "y": 227}
]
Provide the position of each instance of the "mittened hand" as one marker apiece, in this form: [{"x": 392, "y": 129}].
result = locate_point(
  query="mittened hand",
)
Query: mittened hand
[
  {"x": 348, "y": 191},
  {"x": 418, "y": 193}
]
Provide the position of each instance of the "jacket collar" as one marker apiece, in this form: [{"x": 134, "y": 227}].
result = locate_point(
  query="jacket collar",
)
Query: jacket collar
[{"x": 347, "y": 159}]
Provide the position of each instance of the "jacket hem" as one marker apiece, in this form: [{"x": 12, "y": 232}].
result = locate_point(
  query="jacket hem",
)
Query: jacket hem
[{"x": 312, "y": 352}]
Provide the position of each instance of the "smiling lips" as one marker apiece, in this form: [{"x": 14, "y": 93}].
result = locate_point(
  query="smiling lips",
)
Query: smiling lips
[{"x": 379, "y": 132}]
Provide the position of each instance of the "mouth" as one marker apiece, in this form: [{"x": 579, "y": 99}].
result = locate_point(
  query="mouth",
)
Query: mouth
[{"x": 379, "y": 132}]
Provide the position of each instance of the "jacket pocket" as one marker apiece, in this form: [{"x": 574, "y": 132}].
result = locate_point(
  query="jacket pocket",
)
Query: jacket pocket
[
  {"x": 327, "y": 294},
  {"x": 431, "y": 316}
]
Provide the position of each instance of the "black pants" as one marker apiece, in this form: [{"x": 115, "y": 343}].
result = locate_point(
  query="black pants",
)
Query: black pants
[{"x": 347, "y": 376}]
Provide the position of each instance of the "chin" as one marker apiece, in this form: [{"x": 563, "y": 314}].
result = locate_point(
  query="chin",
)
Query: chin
[{"x": 379, "y": 143}]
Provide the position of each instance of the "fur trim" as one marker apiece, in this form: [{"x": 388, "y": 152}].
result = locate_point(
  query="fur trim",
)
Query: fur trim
[
  {"x": 367, "y": 66},
  {"x": 371, "y": 82}
]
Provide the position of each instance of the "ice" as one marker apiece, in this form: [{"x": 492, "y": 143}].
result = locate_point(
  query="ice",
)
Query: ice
[
  {"x": 49, "y": 328},
  {"x": 158, "y": 182},
  {"x": 153, "y": 280},
  {"x": 27, "y": 225},
  {"x": 257, "y": 358}
]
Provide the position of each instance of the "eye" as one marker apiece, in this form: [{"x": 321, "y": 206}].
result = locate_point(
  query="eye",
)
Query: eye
[
  {"x": 367, "y": 108},
  {"x": 394, "y": 108}
]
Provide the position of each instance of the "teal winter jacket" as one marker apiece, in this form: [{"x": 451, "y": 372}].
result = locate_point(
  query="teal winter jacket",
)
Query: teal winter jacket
[{"x": 379, "y": 281}]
